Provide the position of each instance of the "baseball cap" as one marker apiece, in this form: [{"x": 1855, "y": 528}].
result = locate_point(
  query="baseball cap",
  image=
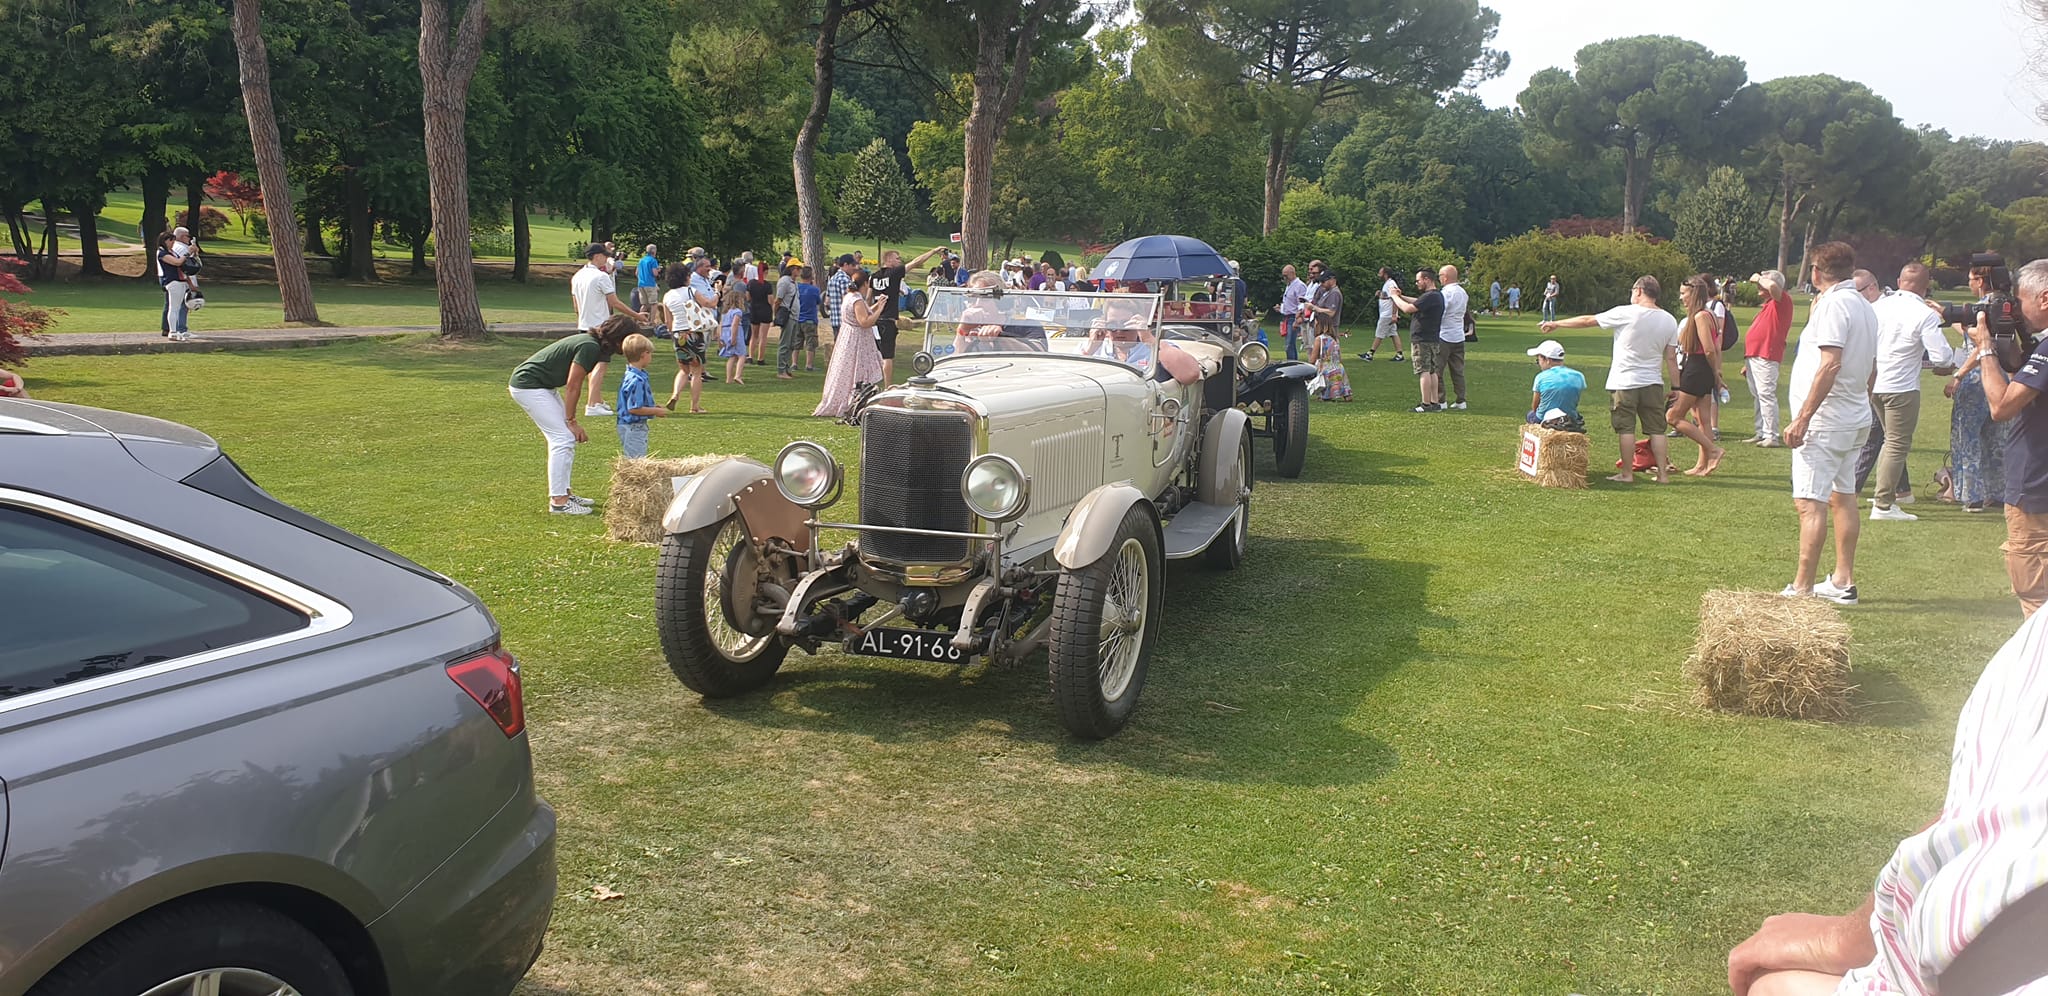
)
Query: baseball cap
[
  {"x": 595, "y": 249},
  {"x": 1549, "y": 349}
]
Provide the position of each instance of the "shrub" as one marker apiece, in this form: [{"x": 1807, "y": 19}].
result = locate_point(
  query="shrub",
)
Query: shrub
[
  {"x": 212, "y": 222},
  {"x": 1594, "y": 273},
  {"x": 1724, "y": 227},
  {"x": 1744, "y": 294},
  {"x": 18, "y": 320},
  {"x": 259, "y": 227},
  {"x": 1355, "y": 256}
]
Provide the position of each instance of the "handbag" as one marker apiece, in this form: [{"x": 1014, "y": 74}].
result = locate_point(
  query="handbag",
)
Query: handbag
[{"x": 698, "y": 318}]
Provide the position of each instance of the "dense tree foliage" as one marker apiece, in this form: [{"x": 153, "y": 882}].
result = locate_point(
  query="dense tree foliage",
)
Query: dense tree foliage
[{"x": 1724, "y": 227}]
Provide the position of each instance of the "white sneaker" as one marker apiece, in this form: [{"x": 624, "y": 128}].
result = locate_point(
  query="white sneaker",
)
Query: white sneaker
[
  {"x": 576, "y": 499},
  {"x": 569, "y": 509},
  {"x": 1906, "y": 499},
  {"x": 1791, "y": 592},
  {"x": 598, "y": 409},
  {"x": 1827, "y": 589},
  {"x": 1892, "y": 514},
  {"x": 1459, "y": 405}
]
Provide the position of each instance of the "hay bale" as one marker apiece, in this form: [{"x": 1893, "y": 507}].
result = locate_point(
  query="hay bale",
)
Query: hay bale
[
  {"x": 641, "y": 490},
  {"x": 1765, "y": 655},
  {"x": 1554, "y": 459}
]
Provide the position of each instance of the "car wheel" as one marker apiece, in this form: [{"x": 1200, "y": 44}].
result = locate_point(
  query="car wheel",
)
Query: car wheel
[
  {"x": 1290, "y": 430},
  {"x": 706, "y": 649},
  {"x": 1103, "y": 616},
  {"x": 202, "y": 949},
  {"x": 1228, "y": 551}
]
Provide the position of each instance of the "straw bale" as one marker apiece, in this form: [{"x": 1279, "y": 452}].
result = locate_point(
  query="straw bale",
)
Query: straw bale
[
  {"x": 1765, "y": 655},
  {"x": 1562, "y": 461},
  {"x": 641, "y": 490}
]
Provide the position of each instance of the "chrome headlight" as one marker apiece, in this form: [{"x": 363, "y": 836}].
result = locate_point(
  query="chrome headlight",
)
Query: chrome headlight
[
  {"x": 1252, "y": 357},
  {"x": 995, "y": 487},
  {"x": 806, "y": 474}
]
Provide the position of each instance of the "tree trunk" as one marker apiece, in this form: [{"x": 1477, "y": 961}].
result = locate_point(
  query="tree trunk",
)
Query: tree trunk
[
  {"x": 89, "y": 264},
  {"x": 156, "y": 200},
  {"x": 1804, "y": 279},
  {"x": 46, "y": 262},
  {"x": 1635, "y": 178},
  {"x": 17, "y": 231},
  {"x": 446, "y": 67},
  {"x": 1786, "y": 208},
  {"x": 195, "y": 203},
  {"x": 316, "y": 238},
  {"x": 1276, "y": 179},
  {"x": 419, "y": 251},
  {"x": 292, "y": 282},
  {"x": 996, "y": 93},
  {"x": 522, "y": 238},
  {"x": 359, "y": 237},
  {"x": 810, "y": 209}
]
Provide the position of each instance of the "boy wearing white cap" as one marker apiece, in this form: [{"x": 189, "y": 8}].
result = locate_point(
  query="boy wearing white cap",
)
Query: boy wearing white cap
[{"x": 1557, "y": 387}]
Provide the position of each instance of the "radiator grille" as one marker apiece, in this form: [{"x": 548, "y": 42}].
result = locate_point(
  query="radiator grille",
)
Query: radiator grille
[{"x": 910, "y": 466}]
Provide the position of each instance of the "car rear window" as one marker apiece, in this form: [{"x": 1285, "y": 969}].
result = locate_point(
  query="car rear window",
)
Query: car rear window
[
  {"x": 223, "y": 478},
  {"x": 79, "y": 603}
]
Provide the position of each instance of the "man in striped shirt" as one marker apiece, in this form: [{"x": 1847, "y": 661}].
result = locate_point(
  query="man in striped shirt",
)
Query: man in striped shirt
[{"x": 1962, "y": 907}]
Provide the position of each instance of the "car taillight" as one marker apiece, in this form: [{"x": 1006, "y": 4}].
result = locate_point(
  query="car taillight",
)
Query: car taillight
[{"x": 492, "y": 679}]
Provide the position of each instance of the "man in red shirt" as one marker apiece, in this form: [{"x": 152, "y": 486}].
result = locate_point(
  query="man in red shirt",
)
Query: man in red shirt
[{"x": 1764, "y": 351}]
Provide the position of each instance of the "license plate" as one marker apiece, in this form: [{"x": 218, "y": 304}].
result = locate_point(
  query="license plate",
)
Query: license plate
[{"x": 906, "y": 644}]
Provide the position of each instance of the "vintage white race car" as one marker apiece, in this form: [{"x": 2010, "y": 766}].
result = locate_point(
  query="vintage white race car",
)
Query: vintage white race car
[{"x": 1024, "y": 489}]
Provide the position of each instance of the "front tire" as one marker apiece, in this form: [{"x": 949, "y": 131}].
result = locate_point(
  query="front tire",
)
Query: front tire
[
  {"x": 707, "y": 652},
  {"x": 1103, "y": 616},
  {"x": 1290, "y": 430},
  {"x": 1227, "y": 552},
  {"x": 221, "y": 948}
]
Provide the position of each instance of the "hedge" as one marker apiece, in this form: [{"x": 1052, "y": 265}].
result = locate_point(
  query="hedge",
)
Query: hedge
[
  {"x": 1356, "y": 257},
  {"x": 1594, "y": 273}
]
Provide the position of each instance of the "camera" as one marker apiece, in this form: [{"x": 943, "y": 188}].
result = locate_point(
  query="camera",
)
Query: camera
[{"x": 2010, "y": 340}]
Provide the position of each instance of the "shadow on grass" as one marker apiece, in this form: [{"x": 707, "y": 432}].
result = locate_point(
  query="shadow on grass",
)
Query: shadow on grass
[
  {"x": 1884, "y": 699},
  {"x": 1232, "y": 695}
]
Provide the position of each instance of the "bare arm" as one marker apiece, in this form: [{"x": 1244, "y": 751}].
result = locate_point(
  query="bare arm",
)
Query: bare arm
[
  {"x": 1576, "y": 322},
  {"x": 574, "y": 392},
  {"x": 620, "y": 306},
  {"x": 919, "y": 261},
  {"x": 1823, "y": 382},
  {"x": 2007, "y": 398},
  {"x": 1793, "y": 942},
  {"x": 1407, "y": 307}
]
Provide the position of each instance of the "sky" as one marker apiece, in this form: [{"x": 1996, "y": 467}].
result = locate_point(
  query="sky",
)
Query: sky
[{"x": 1963, "y": 69}]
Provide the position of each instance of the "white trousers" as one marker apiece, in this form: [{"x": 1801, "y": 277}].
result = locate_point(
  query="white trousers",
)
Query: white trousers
[
  {"x": 1763, "y": 385},
  {"x": 174, "y": 303},
  {"x": 545, "y": 408}
]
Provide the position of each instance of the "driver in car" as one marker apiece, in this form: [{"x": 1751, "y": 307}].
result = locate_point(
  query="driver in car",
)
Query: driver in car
[
  {"x": 981, "y": 328},
  {"x": 1125, "y": 333}
]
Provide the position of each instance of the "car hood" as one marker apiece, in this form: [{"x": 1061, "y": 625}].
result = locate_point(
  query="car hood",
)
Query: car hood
[{"x": 1026, "y": 382}]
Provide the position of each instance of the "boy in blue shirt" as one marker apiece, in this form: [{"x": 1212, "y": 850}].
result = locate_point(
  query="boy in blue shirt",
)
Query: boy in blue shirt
[
  {"x": 636, "y": 399},
  {"x": 807, "y": 298},
  {"x": 1557, "y": 387}
]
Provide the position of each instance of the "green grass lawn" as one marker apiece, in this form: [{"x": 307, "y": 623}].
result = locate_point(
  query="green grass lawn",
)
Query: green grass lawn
[
  {"x": 1432, "y": 738},
  {"x": 122, "y": 305}
]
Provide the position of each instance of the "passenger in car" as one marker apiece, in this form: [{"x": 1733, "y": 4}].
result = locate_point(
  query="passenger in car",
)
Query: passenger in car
[{"x": 981, "y": 328}]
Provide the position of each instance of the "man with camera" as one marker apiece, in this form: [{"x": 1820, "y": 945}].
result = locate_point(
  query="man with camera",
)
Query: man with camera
[{"x": 2015, "y": 371}]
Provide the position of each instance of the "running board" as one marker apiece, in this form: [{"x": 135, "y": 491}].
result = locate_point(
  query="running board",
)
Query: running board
[{"x": 1195, "y": 527}]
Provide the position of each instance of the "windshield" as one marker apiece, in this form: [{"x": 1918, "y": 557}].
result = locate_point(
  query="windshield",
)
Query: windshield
[{"x": 1120, "y": 327}]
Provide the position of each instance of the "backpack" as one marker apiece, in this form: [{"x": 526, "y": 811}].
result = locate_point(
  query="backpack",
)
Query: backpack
[{"x": 1720, "y": 311}]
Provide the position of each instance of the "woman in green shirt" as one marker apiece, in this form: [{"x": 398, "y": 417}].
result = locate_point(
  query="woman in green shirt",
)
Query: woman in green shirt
[{"x": 566, "y": 362}]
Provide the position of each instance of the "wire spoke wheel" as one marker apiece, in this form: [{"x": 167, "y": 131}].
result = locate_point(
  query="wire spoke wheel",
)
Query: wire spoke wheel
[
  {"x": 735, "y": 645},
  {"x": 1102, "y": 629},
  {"x": 707, "y": 652},
  {"x": 1123, "y": 618}
]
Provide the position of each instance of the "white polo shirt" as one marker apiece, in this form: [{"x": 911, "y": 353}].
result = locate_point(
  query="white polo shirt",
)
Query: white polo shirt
[
  {"x": 1840, "y": 317},
  {"x": 1643, "y": 338},
  {"x": 1907, "y": 332}
]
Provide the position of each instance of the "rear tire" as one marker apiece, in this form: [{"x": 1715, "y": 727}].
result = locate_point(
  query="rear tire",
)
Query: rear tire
[
  {"x": 705, "y": 650},
  {"x": 1290, "y": 430},
  {"x": 1228, "y": 551},
  {"x": 1103, "y": 617},
  {"x": 232, "y": 948}
]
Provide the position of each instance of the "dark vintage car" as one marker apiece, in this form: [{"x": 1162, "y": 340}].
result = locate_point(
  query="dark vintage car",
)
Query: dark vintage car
[{"x": 1202, "y": 298}]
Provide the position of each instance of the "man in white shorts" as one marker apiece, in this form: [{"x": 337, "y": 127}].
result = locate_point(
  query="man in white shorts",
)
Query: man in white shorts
[
  {"x": 1387, "y": 328},
  {"x": 1830, "y": 421}
]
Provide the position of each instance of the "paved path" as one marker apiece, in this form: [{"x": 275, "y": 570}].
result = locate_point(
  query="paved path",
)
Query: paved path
[{"x": 216, "y": 340}]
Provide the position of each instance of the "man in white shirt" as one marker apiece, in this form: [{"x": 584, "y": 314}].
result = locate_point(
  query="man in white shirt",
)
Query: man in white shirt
[
  {"x": 1456, "y": 304},
  {"x": 1290, "y": 308},
  {"x": 1389, "y": 325},
  {"x": 1908, "y": 337},
  {"x": 1830, "y": 421},
  {"x": 596, "y": 295},
  {"x": 1645, "y": 360}
]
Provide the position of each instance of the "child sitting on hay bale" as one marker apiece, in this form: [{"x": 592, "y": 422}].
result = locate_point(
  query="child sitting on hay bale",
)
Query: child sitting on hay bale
[
  {"x": 1767, "y": 655},
  {"x": 641, "y": 489}
]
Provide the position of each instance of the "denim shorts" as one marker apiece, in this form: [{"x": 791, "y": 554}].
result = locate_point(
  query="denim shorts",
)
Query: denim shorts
[{"x": 633, "y": 438}]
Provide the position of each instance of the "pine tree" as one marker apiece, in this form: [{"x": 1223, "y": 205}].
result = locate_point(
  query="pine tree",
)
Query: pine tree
[
  {"x": 1724, "y": 226},
  {"x": 876, "y": 202}
]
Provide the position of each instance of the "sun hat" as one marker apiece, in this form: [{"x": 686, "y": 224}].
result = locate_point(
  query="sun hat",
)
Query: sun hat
[{"x": 1549, "y": 349}]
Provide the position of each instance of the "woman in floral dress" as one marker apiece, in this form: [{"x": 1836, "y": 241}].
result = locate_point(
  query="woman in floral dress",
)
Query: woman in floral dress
[
  {"x": 1329, "y": 363},
  {"x": 856, "y": 359}
]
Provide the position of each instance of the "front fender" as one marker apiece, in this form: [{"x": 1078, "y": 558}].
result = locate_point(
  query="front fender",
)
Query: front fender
[
  {"x": 1222, "y": 439},
  {"x": 1270, "y": 379},
  {"x": 707, "y": 499},
  {"x": 1091, "y": 527}
]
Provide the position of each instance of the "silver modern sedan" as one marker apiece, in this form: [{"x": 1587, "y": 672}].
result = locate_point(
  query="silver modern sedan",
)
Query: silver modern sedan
[{"x": 243, "y": 751}]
